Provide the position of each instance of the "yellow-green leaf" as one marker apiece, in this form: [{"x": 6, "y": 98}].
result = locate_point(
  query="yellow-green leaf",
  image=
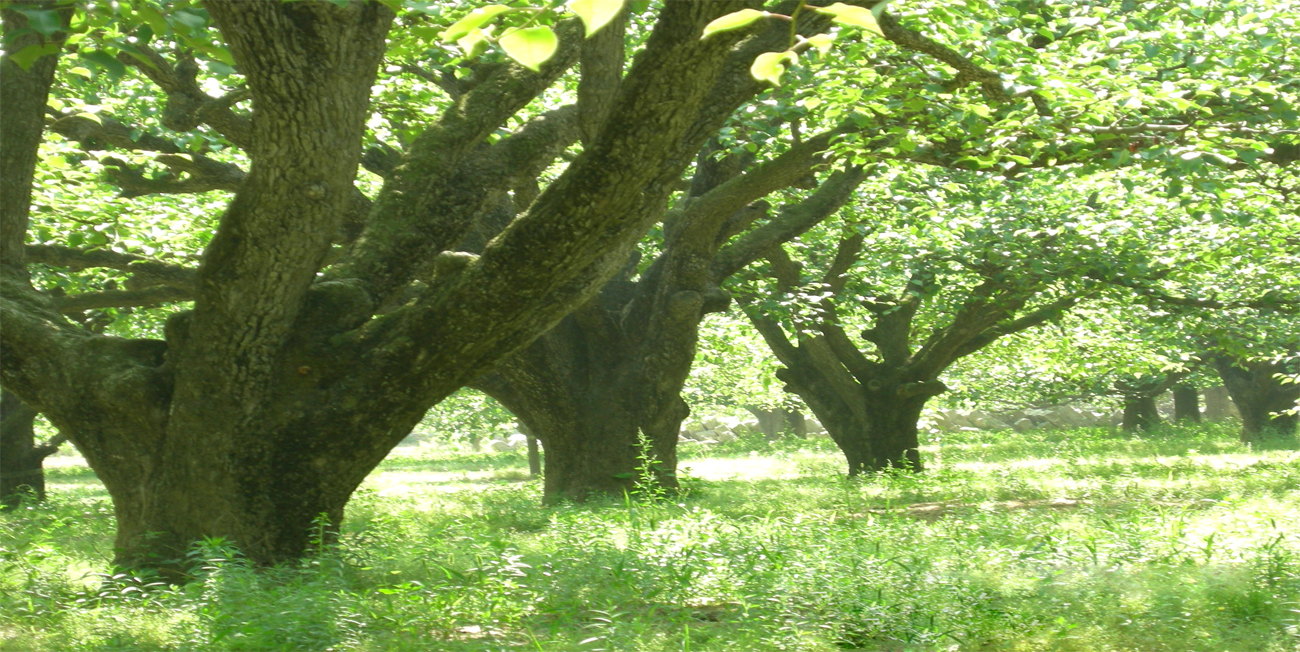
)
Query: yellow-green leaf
[
  {"x": 822, "y": 42},
  {"x": 530, "y": 47},
  {"x": 595, "y": 14},
  {"x": 84, "y": 72},
  {"x": 769, "y": 66},
  {"x": 852, "y": 16},
  {"x": 474, "y": 43},
  {"x": 476, "y": 19},
  {"x": 733, "y": 20}
]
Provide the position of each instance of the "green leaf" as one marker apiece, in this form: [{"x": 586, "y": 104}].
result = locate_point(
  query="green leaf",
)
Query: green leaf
[
  {"x": 852, "y": 16},
  {"x": 530, "y": 47},
  {"x": 106, "y": 62},
  {"x": 734, "y": 20},
  {"x": 476, "y": 19},
  {"x": 155, "y": 19},
  {"x": 44, "y": 21},
  {"x": 595, "y": 14},
  {"x": 28, "y": 55},
  {"x": 769, "y": 66}
]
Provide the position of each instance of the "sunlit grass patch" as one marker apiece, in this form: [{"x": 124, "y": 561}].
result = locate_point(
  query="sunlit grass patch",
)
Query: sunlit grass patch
[{"x": 1035, "y": 542}]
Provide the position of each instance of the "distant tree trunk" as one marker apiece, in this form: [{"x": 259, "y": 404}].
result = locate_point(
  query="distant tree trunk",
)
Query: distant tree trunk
[
  {"x": 1218, "y": 404},
  {"x": 534, "y": 455},
  {"x": 1187, "y": 408},
  {"x": 798, "y": 425},
  {"x": 1139, "y": 394},
  {"x": 1266, "y": 405},
  {"x": 871, "y": 404},
  {"x": 21, "y": 459},
  {"x": 775, "y": 422},
  {"x": 1140, "y": 414}
]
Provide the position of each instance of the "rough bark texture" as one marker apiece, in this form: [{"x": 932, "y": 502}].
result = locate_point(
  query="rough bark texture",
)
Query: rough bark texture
[
  {"x": 1187, "y": 404},
  {"x": 1267, "y": 406},
  {"x": 23, "y": 97}
]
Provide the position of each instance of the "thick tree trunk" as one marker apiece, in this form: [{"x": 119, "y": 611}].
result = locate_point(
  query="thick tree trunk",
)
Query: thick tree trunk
[
  {"x": 21, "y": 459},
  {"x": 1140, "y": 414},
  {"x": 1187, "y": 408},
  {"x": 601, "y": 438},
  {"x": 1266, "y": 405},
  {"x": 608, "y": 421}
]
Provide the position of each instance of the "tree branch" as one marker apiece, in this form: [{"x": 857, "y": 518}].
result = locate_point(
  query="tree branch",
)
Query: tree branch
[
  {"x": 187, "y": 105},
  {"x": 201, "y": 174},
  {"x": 145, "y": 272},
  {"x": 1034, "y": 318},
  {"x": 833, "y": 194},
  {"x": 148, "y": 297}
]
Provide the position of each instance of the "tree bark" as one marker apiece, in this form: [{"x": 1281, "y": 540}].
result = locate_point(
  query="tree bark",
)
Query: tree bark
[
  {"x": 1267, "y": 407},
  {"x": 590, "y": 403},
  {"x": 1187, "y": 408}
]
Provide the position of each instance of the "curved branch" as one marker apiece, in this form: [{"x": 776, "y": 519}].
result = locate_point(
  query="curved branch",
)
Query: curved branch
[{"x": 833, "y": 194}]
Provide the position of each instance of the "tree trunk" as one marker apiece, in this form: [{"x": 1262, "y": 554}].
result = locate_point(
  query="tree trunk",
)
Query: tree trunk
[
  {"x": 1140, "y": 414},
  {"x": 1187, "y": 407},
  {"x": 1218, "y": 404},
  {"x": 1267, "y": 406},
  {"x": 774, "y": 423},
  {"x": 798, "y": 426},
  {"x": 582, "y": 391},
  {"x": 21, "y": 459},
  {"x": 534, "y": 457}
]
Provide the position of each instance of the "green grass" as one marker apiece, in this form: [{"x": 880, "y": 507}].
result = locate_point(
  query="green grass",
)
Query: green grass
[{"x": 1072, "y": 540}]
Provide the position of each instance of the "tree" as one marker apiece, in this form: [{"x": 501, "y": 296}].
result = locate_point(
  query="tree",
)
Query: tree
[
  {"x": 298, "y": 369},
  {"x": 613, "y": 372},
  {"x": 1000, "y": 269}
]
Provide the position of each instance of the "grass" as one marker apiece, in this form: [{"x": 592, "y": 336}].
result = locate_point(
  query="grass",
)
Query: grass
[{"x": 1082, "y": 540}]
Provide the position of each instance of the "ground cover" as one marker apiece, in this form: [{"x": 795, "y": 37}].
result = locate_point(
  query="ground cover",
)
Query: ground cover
[{"x": 1084, "y": 540}]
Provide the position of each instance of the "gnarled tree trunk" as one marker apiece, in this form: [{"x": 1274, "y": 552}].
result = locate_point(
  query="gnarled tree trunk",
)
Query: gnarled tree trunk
[{"x": 1267, "y": 406}]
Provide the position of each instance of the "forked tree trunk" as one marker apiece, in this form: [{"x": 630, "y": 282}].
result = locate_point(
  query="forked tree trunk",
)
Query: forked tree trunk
[
  {"x": 1267, "y": 406},
  {"x": 886, "y": 439},
  {"x": 1187, "y": 408},
  {"x": 1140, "y": 413}
]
